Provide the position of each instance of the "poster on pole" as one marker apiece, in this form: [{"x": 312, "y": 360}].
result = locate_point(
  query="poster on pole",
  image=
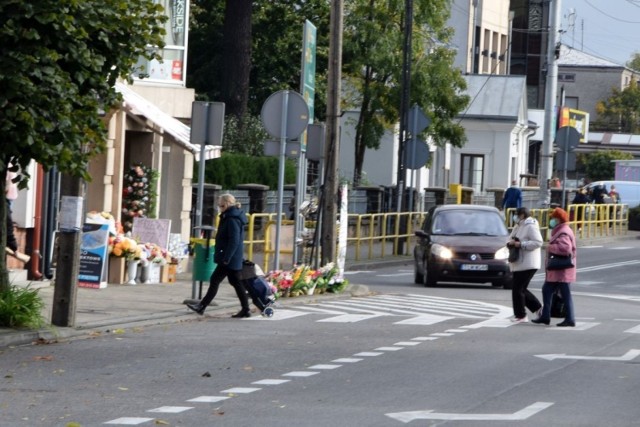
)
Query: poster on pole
[{"x": 93, "y": 256}]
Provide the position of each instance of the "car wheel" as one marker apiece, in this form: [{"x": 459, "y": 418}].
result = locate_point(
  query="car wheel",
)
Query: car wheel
[
  {"x": 418, "y": 277},
  {"x": 429, "y": 279}
]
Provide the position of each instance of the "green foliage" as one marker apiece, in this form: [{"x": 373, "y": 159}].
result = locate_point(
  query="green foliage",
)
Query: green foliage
[
  {"x": 634, "y": 62},
  {"x": 621, "y": 111},
  {"x": 244, "y": 137},
  {"x": 373, "y": 59},
  {"x": 21, "y": 307},
  {"x": 230, "y": 170},
  {"x": 276, "y": 49},
  {"x": 599, "y": 165},
  {"x": 60, "y": 62}
]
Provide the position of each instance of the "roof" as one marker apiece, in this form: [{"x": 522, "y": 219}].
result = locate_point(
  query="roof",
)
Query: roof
[
  {"x": 138, "y": 105},
  {"x": 571, "y": 57},
  {"x": 497, "y": 97}
]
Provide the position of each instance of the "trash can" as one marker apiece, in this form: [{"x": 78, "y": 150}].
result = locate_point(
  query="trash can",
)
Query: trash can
[{"x": 203, "y": 264}]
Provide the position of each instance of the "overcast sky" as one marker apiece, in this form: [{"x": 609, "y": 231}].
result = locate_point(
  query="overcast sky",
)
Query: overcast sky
[{"x": 609, "y": 29}]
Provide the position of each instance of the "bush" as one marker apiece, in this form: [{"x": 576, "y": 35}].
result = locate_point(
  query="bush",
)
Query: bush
[
  {"x": 21, "y": 307},
  {"x": 230, "y": 170}
]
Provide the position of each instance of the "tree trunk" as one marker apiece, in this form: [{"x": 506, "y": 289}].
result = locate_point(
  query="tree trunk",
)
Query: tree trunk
[{"x": 236, "y": 56}]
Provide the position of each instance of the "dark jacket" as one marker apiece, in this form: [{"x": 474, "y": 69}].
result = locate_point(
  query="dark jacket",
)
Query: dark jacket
[
  {"x": 512, "y": 198},
  {"x": 229, "y": 250}
]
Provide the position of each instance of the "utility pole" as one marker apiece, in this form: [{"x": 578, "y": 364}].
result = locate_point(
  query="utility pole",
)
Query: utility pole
[
  {"x": 332, "y": 145},
  {"x": 68, "y": 247},
  {"x": 404, "y": 103},
  {"x": 546, "y": 166}
]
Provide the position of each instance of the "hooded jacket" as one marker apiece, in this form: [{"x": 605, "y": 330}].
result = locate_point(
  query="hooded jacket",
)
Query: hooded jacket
[
  {"x": 562, "y": 242},
  {"x": 528, "y": 232},
  {"x": 229, "y": 250}
]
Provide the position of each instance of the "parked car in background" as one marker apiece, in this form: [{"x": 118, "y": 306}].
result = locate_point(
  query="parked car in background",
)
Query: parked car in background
[
  {"x": 462, "y": 243},
  {"x": 629, "y": 191}
]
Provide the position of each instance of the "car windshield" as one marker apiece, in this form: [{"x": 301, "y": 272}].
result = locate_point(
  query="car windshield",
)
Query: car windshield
[{"x": 469, "y": 223}]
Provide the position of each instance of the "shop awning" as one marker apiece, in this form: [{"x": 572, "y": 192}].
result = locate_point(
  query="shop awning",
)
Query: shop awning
[{"x": 139, "y": 106}]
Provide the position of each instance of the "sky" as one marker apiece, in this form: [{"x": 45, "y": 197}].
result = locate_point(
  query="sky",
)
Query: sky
[{"x": 609, "y": 29}]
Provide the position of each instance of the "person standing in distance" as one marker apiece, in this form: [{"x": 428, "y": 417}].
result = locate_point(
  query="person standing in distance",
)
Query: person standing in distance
[
  {"x": 11, "y": 194},
  {"x": 512, "y": 200},
  {"x": 527, "y": 237},
  {"x": 561, "y": 242},
  {"x": 228, "y": 255}
]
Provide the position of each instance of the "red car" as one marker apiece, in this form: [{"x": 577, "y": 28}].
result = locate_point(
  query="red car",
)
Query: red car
[{"x": 462, "y": 243}]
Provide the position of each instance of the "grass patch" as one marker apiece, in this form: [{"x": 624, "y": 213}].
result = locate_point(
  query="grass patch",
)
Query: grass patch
[{"x": 21, "y": 308}]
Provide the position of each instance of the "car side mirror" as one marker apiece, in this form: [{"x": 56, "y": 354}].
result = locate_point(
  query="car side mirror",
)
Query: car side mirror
[{"x": 422, "y": 234}]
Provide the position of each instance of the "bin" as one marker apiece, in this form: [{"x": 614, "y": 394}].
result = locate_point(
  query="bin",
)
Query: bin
[{"x": 203, "y": 264}]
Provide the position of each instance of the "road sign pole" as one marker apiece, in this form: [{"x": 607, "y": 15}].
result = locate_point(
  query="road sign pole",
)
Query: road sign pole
[{"x": 283, "y": 150}]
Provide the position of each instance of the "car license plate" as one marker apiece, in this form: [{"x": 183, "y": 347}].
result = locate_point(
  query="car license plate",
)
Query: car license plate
[{"x": 474, "y": 267}]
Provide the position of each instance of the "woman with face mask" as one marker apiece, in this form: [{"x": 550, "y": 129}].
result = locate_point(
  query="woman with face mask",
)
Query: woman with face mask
[
  {"x": 562, "y": 242},
  {"x": 527, "y": 239}
]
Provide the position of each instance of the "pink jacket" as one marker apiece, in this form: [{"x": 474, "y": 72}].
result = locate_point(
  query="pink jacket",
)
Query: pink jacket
[{"x": 562, "y": 242}]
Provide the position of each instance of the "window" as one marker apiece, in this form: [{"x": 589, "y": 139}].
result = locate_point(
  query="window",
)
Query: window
[
  {"x": 172, "y": 67},
  {"x": 566, "y": 77},
  {"x": 472, "y": 171}
]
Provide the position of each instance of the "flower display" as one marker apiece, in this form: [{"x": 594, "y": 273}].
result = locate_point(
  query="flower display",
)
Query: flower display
[
  {"x": 303, "y": 280},
  {"x": 156, "y": 254},
  {"x": 137, "y": 194},
  {"x": 125, "y": 247}
]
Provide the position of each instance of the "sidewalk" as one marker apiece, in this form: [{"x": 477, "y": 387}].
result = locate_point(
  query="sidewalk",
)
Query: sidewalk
[{"x": 125, "y": 306}]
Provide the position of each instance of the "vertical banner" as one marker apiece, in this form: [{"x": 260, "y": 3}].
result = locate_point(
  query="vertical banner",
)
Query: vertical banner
[
  {"x": 344, "y": 228},
  {"x": 93, "y": 256}
]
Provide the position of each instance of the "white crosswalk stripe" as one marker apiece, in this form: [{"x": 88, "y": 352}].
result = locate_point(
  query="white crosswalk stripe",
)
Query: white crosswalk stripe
[{"x": 420, "y": 309}]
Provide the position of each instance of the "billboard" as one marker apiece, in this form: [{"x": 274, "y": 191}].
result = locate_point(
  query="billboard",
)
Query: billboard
[{"x": 577, "y": 119}]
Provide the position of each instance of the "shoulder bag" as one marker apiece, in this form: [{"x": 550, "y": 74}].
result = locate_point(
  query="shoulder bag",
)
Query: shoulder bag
[{"x": 559, "y": 262}]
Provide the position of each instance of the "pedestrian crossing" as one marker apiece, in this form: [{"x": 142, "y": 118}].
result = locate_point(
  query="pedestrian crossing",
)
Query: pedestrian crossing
[{"x": 403, "y": 309}]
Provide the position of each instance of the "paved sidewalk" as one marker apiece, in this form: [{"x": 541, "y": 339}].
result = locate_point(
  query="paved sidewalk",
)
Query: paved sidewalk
[{"x": 125, "y": 306}]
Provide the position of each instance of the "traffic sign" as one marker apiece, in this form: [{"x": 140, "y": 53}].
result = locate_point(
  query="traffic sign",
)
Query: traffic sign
[
  {"x": 297, "y": 114},
  {"x": 567, "y": 138}
]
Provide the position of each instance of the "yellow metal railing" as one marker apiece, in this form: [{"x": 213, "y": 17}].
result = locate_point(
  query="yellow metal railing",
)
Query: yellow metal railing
[{"x": 376, "y": 235}]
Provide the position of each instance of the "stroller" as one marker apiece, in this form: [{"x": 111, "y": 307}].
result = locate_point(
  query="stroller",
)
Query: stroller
[{"x": 253, "y": 281}]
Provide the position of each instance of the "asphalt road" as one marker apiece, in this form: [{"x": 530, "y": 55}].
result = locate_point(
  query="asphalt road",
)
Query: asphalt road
[{"x": 405, "y": 355}]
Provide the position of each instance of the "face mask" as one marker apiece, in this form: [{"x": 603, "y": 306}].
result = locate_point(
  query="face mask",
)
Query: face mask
[
  {"x": 553, "y": 222},
  {"x": 515, "y": 218}
]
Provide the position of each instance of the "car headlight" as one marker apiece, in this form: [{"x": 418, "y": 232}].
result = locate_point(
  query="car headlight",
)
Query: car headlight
[
  {"x": 441, "y": 252},
  {"x": 502, "y": 253}
]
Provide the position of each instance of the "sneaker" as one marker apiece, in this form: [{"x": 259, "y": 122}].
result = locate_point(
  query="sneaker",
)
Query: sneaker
[
  {"x": 198, "y": 308},
  {"x": 520, "y": 319}
]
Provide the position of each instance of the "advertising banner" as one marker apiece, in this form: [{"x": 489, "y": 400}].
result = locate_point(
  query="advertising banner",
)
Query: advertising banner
[{"x": 93, "y": 256}]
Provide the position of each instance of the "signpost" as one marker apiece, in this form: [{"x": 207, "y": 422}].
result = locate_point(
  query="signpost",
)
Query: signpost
[
  {"x": 285, "y": 115},
  {"x": 567, "y": 138}
]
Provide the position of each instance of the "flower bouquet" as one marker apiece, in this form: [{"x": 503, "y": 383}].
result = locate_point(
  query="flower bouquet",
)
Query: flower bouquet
[
  {"x": 125, "y": 247},
  {"x": 303, "y": 280}
]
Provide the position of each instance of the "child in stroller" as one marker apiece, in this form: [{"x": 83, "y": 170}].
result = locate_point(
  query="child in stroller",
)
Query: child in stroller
[{"x": 258, "y": 288}]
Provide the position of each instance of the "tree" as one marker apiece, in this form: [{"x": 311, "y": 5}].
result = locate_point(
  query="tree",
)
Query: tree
[
  {"x": 373, "y": 58},
  {"x": 599, "y": 165},
  {"x": 634, "y": 62},
  {"x": 621, "y": 111},
  {"x": 60, "y": 60}
]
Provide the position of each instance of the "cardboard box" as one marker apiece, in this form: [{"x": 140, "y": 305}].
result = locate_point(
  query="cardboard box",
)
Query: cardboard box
[{"x": 117, "y": 269}]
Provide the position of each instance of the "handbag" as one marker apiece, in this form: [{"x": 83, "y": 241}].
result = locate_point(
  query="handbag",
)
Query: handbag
[
  {"x": 248, "y": 270},
  {"x": 514, "y": 254},
  {"x": 559, "y": 262},
  {"x": 558, "y": 308}
]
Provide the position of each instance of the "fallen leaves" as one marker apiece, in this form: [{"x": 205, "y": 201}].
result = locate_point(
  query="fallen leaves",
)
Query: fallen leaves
[{"x": 43, "y": 358}]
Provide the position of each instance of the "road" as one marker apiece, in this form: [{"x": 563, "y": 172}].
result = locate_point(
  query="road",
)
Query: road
[{"x": 406, "y": 355}]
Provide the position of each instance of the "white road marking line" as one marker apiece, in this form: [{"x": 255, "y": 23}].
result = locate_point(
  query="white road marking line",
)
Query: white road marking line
[
  {"x": 171, "y": 409},
  {"x": 281, "y": 314},
  {"x": 300, "y": 374},
  {"x": 368, "y": 354},
  {"x": 389, "y": 348},
  {"x": 441, "y": 334},
  {"x": 241, "y": 390},
  {"x": 350, "y": 318},
  {"x": 325, "y": 367},
  {"x": 456, "y": 331},
  {"x": 129, "y": 421},
  {"x": 629, "y": 355},
  {"x": 634, "y": 330},
  {"x": 425, "y": 338},
  {"x": 423, "y": 320},
  {"x": 407, "y": 343},
  {"x": 270, "y": 382},
  {"x": 580, "y": 326},
  {"x": 208, "y": 399},
  {"x": 428, "y": 414},
  {"x": 347, "y": 360}
]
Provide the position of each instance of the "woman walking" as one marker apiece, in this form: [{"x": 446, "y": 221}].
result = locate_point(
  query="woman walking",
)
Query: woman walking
[
  {"x": 229, "y": 251},
  {"x": 562, "y": 242},
  {"x": 527, "y": 240}
]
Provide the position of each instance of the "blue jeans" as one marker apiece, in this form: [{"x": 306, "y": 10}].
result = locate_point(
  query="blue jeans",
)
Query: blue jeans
[{"x": 548, "y": 288}]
